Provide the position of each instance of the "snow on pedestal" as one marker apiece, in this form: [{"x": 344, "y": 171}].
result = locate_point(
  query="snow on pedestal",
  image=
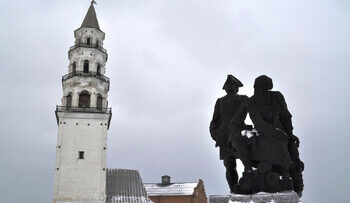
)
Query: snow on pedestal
[{"x": 261, "y": 197}]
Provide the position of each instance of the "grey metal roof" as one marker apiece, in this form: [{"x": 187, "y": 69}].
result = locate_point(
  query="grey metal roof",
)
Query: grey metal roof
[
  {"x": 90, "y": 19},
  {"x": 125, "y": 186},
  {"x": 174, "y": 189}
]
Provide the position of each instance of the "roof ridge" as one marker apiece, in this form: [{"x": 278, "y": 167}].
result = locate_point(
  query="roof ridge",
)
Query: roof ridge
[
  {"x": 174, "y": 183},
  {"x": 122, "y": 169}
]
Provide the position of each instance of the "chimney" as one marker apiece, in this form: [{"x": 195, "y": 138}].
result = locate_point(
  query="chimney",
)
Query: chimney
[{"x": 166, "y": 180}]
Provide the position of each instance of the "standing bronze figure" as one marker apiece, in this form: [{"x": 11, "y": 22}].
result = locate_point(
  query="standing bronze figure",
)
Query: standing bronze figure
[{"x": 225, "y": 109}]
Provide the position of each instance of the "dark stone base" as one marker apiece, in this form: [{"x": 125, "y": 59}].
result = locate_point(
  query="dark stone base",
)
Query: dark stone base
[{"x": 261, "y": 197}]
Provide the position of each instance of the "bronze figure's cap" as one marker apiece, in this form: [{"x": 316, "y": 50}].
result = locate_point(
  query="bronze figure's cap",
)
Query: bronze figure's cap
[
  {"x": 232, "y": 81},
  {"x": 263, "y": 82}
]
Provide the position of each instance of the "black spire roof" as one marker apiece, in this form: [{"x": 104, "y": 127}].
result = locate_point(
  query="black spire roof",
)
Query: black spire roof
[{"x": 90, "y": 19}]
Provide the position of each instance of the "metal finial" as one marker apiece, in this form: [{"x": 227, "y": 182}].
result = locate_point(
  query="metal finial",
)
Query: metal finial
[{"x": 93, "y": 2}]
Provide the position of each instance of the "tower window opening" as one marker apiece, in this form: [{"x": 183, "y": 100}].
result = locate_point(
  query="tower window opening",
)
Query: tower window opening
[
  {"x": 97, "y": 43},
  {"x": 98, "y": 69},
  {"x": 88, "y": 41},
  {"x": 69, "y": 101},
  {"x": 86, "y": 66},
  {"x": 81, "y": 154},
  {"x": 99, "y": 102},
  {"x": 74, "y": 67},
  {"x": 84, "y": 99}
]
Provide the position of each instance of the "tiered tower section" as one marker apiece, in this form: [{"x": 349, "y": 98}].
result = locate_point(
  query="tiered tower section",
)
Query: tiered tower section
[{"x": 83, "y": 119}]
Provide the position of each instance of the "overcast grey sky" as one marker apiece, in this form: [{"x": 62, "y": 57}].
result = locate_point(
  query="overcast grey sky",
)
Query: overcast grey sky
[{"x": 168, "y": 60}]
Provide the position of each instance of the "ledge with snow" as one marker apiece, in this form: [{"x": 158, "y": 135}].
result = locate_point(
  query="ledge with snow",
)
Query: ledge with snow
[{"x": 261, "y": 197}]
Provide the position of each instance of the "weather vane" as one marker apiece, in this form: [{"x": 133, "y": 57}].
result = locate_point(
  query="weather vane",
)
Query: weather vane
[{"x": 93, "y": 2}]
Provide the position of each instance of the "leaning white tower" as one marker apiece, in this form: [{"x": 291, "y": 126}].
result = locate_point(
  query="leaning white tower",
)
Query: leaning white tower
[{"x": 83, "y": 119}]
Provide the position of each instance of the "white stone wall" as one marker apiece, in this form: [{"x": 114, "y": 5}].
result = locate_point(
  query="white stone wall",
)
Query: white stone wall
[
  {"x": 81, "y": 180},
  {"x": 94, "y": 86},
  {"x": 94, "y": 56},
  {"x": 84, "y": 32}
]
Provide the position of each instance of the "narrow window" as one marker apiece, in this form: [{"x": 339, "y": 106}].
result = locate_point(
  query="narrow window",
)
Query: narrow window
[
  {"x": 69, "y": 101},
  {"x": 88, "y": 41},
  {"x": 98, "y": 69},
  {"x": 81, "y": 154},
  {"x": 84, "y": 99},
  {"x": 86, "y": 66},
  {"x": 99, "y": 102},
  {"x": 97, "y": 43},
  {"x": 74, "y": 67}
]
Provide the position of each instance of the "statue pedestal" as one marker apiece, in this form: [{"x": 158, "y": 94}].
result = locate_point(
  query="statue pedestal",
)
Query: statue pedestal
[{"x": 261, "y": 197}]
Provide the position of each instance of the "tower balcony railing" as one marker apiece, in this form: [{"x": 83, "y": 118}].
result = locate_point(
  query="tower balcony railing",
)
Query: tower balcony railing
[
  {"x": 86, "y": 45},
  {"x": 76, "y": 109},
  {"x": 83, "y": 109},
  {"x": 85, "y": 74}
]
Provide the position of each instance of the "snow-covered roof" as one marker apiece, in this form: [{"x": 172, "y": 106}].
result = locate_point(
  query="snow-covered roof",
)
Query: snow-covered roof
[
  {"x": 173, "y": 189},
  {"x": 125, "y": 186}
]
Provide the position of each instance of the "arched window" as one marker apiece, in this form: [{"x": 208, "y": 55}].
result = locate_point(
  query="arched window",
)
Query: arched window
[
  {"x": 86, "y": 66},
  {"x": 74, "y": 67},
  {"x": 69, "y": 101},
  {"x": 88, "y": 41},
  {"x": 99, "y": 102},
  {"x": 98, "y": 69},
  {"x": 84, "y": 99}
]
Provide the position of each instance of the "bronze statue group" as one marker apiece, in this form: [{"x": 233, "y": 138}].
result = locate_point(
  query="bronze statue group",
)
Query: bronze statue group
[{"x": 269, "y": 151}]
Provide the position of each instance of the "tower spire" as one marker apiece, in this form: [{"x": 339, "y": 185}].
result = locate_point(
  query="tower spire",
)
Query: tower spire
[{"x": 90, "y": 19}]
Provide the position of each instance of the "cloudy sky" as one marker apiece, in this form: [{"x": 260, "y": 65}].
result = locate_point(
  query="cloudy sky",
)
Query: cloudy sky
[{"x": 168, "y": 60}]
